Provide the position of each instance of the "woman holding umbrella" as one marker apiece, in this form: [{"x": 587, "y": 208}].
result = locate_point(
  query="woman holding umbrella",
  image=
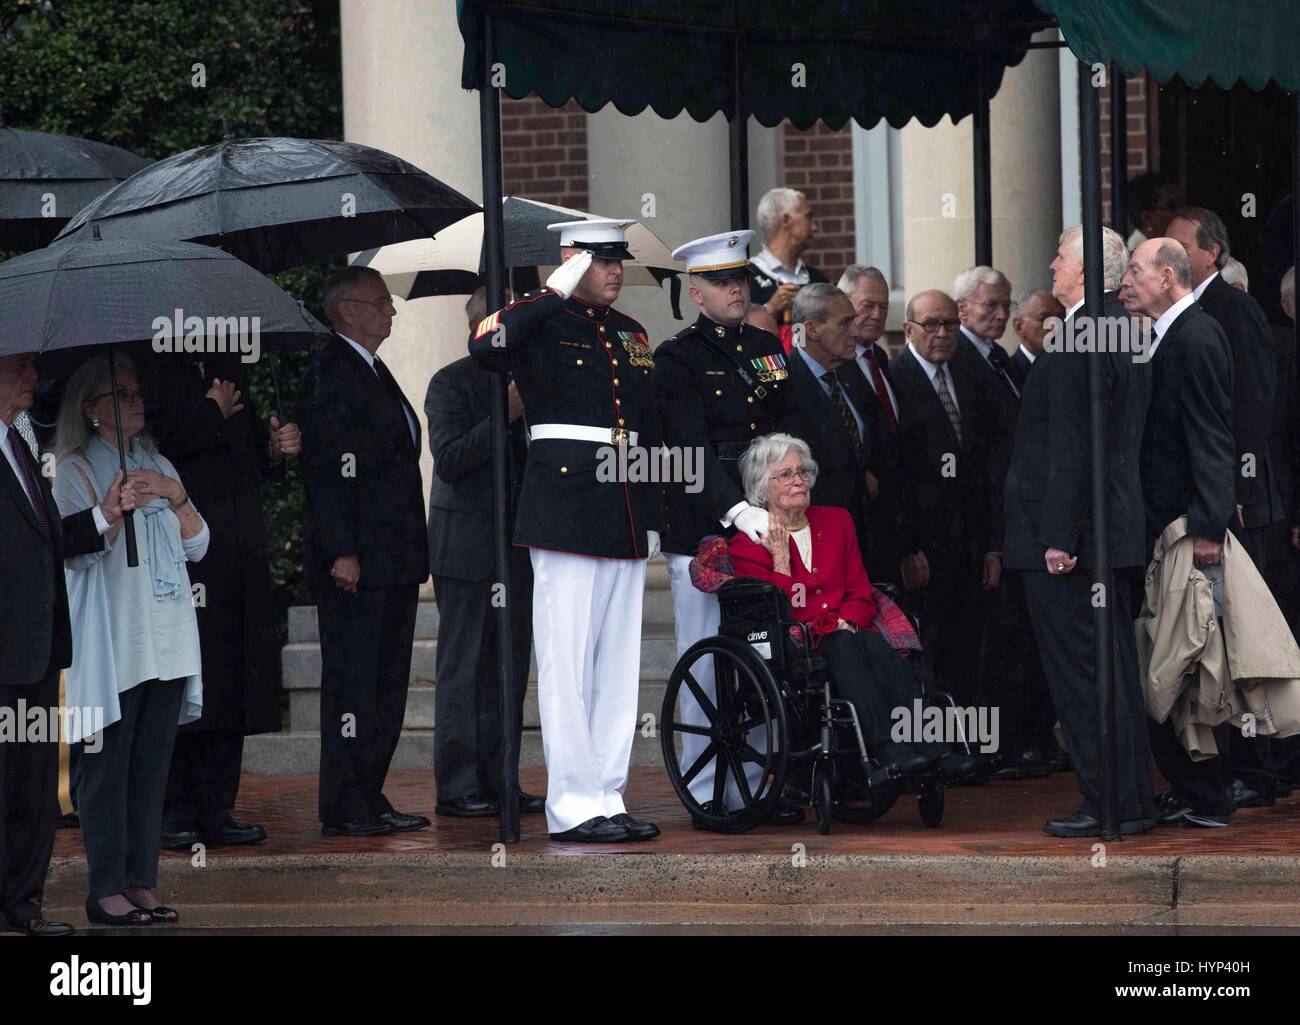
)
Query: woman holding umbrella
[{"x": 135, "y": 638}]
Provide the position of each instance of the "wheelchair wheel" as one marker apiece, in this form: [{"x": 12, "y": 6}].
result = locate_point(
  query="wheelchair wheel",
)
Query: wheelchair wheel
[
  {"x": 743, "y": 725},
  {"x": 929, "y": 801},
  {"x": 822, "y": 796}
]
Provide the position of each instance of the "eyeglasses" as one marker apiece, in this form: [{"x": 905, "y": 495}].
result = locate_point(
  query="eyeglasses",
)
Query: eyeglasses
[
  {"x": 126, "y": 396},
  {"x": 932, "y": 326},
  {"x": 806, "y": 473},
  {"x": 990, "y": 305},
  {"x": 375, "y": 304}
]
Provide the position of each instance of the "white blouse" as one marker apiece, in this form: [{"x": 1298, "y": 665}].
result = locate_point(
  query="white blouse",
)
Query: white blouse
[{"x": 803, "y": 542}]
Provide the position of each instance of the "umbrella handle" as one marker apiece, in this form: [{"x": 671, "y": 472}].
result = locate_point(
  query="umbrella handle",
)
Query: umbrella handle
[
  {"x": 275, "y": 389},
  {"x": 128, "y": 517}
]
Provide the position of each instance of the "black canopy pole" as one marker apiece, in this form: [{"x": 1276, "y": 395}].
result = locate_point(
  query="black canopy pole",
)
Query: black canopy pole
[
  {"x": 1103, "y": 611},
  {"x": 1118, "y": 150},
  {"x": 494, "y": 259},
  {"x": 738, "y": 138},
  {"x": 128, "y": 517},
  {"x": 983, "y": 166}
]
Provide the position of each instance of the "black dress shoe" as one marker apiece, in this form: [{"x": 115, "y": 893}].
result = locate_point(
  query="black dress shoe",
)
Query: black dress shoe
[
  {"x": 957, "y": 765},
  {"x": 96, "y": 914},
  {"x": 471, "y": 807},
  {"x": 69, "y": 821},
  {"x": 1026, "y": 764},
  {"x": 40, "y": 927},
  {"x": 1083, "y": 824},
  {"x": 531, "y": 804},
  {"x": 178, "y": 837},
  {"x": 1243, "y": 796},
  {"x": 1185, "y": 814},
  {"x": 403, "y": 823},
  {"x": 635, "y": 830},
  {"x": 594, "y": 830},
  {"x": 229, "y": 833},
  {"x": 368, "y": 827}
]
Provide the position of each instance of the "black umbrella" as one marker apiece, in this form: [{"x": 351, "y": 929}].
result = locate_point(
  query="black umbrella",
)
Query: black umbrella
[
  {"x": 277, "y": 202},
  {"x": 177, "y": 297},
  {"x": 45, "y": 179}
]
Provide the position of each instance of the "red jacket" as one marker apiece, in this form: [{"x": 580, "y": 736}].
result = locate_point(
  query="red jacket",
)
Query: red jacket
[{"x": 836, "y": 588}]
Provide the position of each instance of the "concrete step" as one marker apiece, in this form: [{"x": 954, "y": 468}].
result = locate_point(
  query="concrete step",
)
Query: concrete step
[
  {"x": 301, "y": 661},
  {"x": 299, "y": 751},
  {"x": 304, "y": 706}
]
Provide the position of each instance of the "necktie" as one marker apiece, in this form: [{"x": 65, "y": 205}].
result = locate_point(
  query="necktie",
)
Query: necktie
[
  {"x": 945, "y": 400},
  {"x": 23, "y": 457},
  {"x": 878, "y": 381},
  {"x": 390, "y": 385},
  {"x": 998, "y": 357},
  {"x": 846, "y": 415}
]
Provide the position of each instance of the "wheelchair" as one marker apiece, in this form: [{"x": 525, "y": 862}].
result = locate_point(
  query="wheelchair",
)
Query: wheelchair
[{"x": 772, "y": 707}]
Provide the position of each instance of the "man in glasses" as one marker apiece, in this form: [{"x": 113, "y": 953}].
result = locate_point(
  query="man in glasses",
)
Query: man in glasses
[
  {"x": 719, "y": 384},
  {"x": 944, "y": 444},
  {"x": 365, "y": 552}
]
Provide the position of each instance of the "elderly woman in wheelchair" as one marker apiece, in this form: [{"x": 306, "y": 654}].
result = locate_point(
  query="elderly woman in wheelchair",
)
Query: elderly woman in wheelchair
[{"x": 803, "y": 675}]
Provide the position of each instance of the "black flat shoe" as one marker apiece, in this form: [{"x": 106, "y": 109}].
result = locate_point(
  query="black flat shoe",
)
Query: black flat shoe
[
  {"x": 370, "y": 827},
  {"x": 1244, "y": 796},
  {"x": 97, "y": 915},
  {"x": 178, "y": 838},
  {"x": 230, "y": 833},
  {"x": 635, "y": 830},
  {"x": 40, "y": 927},
  {"x": 162, "y": 914},
  {"x": 1082, "y": 824},
  {"x": 403, "y": 823},
  {"x": 594, "y": 830},
  {"x": 471, "y": 807},
  {"x": 69, "y": 821},
  {"x": 531, "y": 804}
]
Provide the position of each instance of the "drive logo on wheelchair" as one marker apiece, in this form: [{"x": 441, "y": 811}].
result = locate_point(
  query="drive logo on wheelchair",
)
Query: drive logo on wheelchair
[{"x": 759, "y": 641}]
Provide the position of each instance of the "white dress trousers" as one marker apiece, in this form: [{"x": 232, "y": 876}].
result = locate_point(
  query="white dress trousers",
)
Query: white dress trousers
[
  {"x": 696, "y": 616},
  {"x": 587, "y": 633}
]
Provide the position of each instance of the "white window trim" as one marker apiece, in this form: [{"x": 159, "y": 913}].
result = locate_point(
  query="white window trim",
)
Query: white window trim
[{"x": 877, "y": 218}]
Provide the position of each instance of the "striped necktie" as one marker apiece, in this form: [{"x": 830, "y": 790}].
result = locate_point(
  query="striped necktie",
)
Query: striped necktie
[
  {"x": 945, "y": 400},
  {"x": 846, "y": 415}
]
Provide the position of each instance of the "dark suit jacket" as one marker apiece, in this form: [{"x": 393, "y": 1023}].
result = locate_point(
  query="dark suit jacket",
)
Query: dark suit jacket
[
  {"x": 1282, "y": 447},
  {"x": 1019, "y": 370},
  {"x": 1000, "y": 432},
  {"x": 1254, "y": 385},
  {"x": 948, "y": 499},
  {"x": 1189, "y": 457},
  {"x": 35, "y": 633},
  {"x": 1048, "y": 496},
  {"x": 842, "y": 476},
  {"x": 361, "y": 473},
  {"x": 458, "y": 408}
]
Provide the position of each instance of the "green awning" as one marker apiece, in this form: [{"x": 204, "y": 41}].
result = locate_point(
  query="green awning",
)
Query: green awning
[
  {"x": 1225, "y": 41},
  {"x": 801, "y": 60}
]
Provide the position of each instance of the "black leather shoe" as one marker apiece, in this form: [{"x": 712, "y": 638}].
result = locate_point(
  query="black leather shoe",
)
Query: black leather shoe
[
  {"x": 957, "y": 765},
  {"x": 471, "y": 807},
  {"x": 368, "y": 827},
  {"x": 1083, "y": 824},
  {"x": 1183, "y": 814},
  {"x": 531, "y": 804},
  {"x": 178, "y": 837},
  {"x": 40, "y": 927},
  {"x": 1244, "y": 796},
  {"x": 69, "y": 821},
  {"x": 910, "y": 764},
  {"x": 97, "y": 915},
  {"x": 1027, "y": 764},
  {"x": 594, "y": 830},
  {"x": 635, "y": 830},
  {"x": 403, "y": 823},
  {"x": 229, "y": 833}
]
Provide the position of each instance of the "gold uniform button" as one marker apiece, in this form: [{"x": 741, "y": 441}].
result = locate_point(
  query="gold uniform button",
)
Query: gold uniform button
[
  {"x": 620, "y": 421},
  {"x": 749, "y": 398},
  {"x": 579, "y": 362},
  {"x": 823, "y": 605},
  {"x": 590, "y": 311},
  {"x": 616, "y": 382},
  {"x": 614, "y": 362},
  {"x": 601, "y": 329},
  {"x": 753, "y": 427},
  {"x": 718, "y": 392},
  {"x": 564, "y": 469},
  {"x": 740, "y": 348},
  {"x": 617, "y": 402}
]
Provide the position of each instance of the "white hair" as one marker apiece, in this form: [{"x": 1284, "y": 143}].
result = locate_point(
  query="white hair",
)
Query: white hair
[
  {"x": 963, "y": 287},
  {"x": 774, "y": 203},
  {"x": 763, "y": 453},
  {"x": 855, "y": 272},
  {"x": 1288, "y": 282},
  {"x": 72, "y": 429},
  {"x": 1114, "y": 254},
  {"x": 1234, "y": 273}
]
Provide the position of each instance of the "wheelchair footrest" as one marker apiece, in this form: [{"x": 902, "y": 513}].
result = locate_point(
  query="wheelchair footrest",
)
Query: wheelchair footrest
[{"x": 882, "y": 776}]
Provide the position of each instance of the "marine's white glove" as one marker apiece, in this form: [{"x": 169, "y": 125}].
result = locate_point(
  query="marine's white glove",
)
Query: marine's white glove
[
  {"x": 652, "y": 543},
  {"x": 752, "y": 522},
  {"x": 564, "y": 279}
]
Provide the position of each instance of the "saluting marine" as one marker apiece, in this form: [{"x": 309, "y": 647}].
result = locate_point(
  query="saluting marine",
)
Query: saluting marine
[
  {"x": 719, "y": 384},
  {"x": 583, "y": 371}
]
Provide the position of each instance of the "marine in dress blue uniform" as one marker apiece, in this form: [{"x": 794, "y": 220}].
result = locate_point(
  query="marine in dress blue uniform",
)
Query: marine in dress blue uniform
[{"x": 590, "y": 521}]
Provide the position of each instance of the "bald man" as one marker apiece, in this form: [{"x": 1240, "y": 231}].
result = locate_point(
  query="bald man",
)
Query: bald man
[{"x": 944, "y": 434}]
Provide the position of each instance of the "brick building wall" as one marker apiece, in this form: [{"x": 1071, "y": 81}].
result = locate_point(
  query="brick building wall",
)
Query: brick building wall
[
  {"x": 544, "y": 152},
  {"x": 1143, "y": 140},
  {"x": 819, "y": 163}
]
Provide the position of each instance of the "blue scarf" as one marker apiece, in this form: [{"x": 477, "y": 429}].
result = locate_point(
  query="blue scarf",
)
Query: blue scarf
[{"x": 162, "y": 543}]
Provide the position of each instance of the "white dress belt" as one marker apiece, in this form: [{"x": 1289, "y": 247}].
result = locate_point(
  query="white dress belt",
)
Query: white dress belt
[{"x": 581, "y": 432}]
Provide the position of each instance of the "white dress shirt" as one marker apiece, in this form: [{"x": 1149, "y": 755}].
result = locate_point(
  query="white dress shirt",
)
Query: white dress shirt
[
  {"x": 820, "y": 372},
  {"x": 1073, "y": 310},
  {"x": 369, "y": 357},
  {"x": 1196, "y": 292},
  {"x": 1028, "y": 355},
  {"x": 982, "y": 346},
  {"x": 932, "y": 371},
  {"x": 101, "y": 523},
  {"x": 1167, "y": 318},
  {"x": 866, "y": 369}
]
